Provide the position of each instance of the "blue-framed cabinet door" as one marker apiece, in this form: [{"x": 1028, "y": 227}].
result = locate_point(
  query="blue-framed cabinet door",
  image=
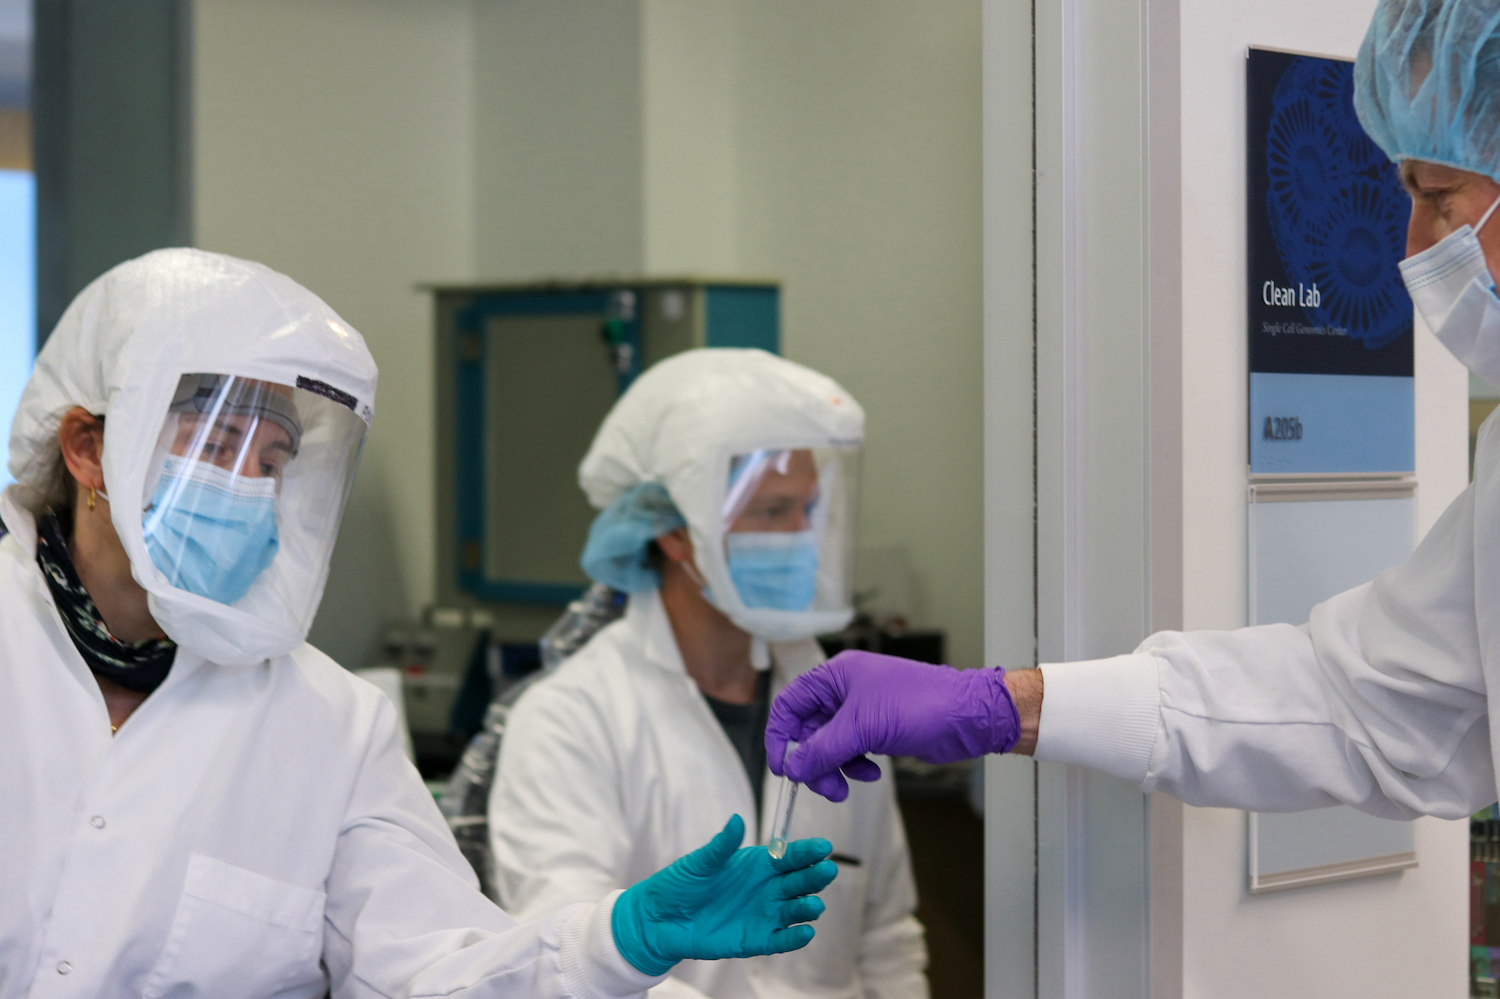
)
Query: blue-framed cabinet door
[{"x": 536, "y": 374}]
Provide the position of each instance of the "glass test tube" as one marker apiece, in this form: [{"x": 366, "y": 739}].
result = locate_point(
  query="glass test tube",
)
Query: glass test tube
[{"x": 781, "y": 819}]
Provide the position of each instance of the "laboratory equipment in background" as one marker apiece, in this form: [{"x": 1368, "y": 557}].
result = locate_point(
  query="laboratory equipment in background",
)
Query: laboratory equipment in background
[
  {"x": 465, "y": 797},
  {"x": 451, "y": 666},
  {"x": 883, "y": 610}
]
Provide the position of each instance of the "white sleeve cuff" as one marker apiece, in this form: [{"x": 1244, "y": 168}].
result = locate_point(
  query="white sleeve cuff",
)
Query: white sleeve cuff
[
  {"x": 1102, "y": 713},
  {"x": 592, "y": 966}
]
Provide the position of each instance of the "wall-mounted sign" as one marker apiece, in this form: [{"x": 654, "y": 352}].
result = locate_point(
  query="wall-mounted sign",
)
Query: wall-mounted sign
[
  {"x": 1330, "y": 323},
  {"x": 1332, "y": 444}
]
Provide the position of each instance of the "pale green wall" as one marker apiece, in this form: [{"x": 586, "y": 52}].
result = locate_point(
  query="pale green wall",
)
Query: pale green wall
[
  {"x": 858, "y": 165},
  {"x": 333, "y": 142},
  {"x": 365, "y": 145},
  {"x": 690, "y": 122},
  {"x": 557, "y": 136},
  {"x": 833, "y": 145}
]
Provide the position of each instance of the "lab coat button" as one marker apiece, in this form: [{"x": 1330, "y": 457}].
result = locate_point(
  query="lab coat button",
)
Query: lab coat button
[
  {"x": 63, "y": 967},
  {"x": 97, "y": 822}
]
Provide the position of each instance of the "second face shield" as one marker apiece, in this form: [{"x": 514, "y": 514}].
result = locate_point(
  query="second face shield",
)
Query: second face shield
[
  {"x": 246, "y": 490},
  {"x": 787, "y": 522}
]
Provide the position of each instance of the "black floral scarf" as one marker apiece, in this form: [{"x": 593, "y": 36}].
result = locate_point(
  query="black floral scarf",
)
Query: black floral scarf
[{"x": 140, "y": 667}]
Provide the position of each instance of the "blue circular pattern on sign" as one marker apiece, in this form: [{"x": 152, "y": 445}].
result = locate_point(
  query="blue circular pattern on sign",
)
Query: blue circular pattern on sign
[{"x": 1334, "y": 206}]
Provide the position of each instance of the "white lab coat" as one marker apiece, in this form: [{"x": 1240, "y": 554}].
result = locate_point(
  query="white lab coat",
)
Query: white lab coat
[
  {"x": 252, "y": 831},
  {"x": 1383, "y": 701},
  {"x": 615, "y": 766}
]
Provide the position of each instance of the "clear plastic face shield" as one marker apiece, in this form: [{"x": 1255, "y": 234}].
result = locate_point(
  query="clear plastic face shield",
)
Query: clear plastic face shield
[
  {"x": 246, "y": 490},
  {"x": 788, "y": 522}
]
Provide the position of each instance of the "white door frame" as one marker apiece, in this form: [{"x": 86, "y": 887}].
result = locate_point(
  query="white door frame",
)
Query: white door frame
[{"x": 1083, "y": 468}]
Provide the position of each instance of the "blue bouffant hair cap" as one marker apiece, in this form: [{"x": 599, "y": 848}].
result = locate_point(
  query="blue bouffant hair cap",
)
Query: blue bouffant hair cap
[
  {"x": 619, "y": 537},
  {"x": 1427, "y": 82}
]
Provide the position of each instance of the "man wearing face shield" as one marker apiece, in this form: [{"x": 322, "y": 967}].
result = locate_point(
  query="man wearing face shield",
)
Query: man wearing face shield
[
  {"x": 725, "y": 480},
  {"x": 1386, "y": 698},
  {"x": 196, "y": 801}
]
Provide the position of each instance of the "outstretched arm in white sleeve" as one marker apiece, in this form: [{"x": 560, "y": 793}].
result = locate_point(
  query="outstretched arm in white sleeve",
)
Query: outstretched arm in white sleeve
[{"x": 1380, "y": 701}]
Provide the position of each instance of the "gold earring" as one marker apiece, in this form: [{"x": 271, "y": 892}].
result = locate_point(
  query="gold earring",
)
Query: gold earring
[{"x": 91, "y": 497}]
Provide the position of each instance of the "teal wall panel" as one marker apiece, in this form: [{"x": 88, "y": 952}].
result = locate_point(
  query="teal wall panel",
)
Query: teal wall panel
[{"x": 743, "y": 317}]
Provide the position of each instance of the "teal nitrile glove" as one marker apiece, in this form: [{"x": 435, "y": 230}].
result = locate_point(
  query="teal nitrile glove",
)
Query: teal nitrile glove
[{"x": 721, "y": 901}]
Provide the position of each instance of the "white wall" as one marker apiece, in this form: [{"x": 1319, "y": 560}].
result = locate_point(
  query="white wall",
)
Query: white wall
[
  {"x": 333, "y": 142},
  {"x": 1395, "y": 936}
]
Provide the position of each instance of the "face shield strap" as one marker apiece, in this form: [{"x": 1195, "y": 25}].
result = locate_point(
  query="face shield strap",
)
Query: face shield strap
[
  {"x": 697, "y": 577},
  {"x": 243, "y": 397}
]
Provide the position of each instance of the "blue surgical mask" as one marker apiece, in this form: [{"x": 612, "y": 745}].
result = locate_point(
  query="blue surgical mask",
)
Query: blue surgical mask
[
  {"x": 211, "y": 532},
  {"x": 774, "y": 570}
]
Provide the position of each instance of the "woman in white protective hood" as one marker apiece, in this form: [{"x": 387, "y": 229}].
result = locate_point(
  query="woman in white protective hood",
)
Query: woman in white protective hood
[
  {"x": 197, "y": 802},
  {"x": 726, "y": 482}
]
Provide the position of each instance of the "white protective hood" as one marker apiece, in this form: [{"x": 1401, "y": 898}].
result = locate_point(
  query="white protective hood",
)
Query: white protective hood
[
  {"x": 680, "y": 424},
  {"x": 120, "y": 350}
]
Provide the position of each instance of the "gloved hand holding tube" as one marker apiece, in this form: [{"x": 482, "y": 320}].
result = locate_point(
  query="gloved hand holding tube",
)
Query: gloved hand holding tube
[
  {"x": 863, "y": 702},
  {"x": 722, "y": 901}
]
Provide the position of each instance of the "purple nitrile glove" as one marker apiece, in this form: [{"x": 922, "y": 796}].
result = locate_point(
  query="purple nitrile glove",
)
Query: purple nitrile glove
[{"x": 862, "y": 702}]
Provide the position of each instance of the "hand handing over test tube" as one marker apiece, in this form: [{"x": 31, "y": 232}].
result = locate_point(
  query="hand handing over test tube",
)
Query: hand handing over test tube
[{"x": 861, "y": 702}]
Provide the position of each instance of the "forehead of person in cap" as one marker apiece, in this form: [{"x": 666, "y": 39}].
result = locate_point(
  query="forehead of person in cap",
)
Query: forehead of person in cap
[{"x": 1427, "y": 90}]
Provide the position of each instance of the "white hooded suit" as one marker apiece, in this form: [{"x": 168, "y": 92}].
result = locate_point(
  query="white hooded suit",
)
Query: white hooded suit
[
  {"x": 615, "y": 762},
  {"x": 254, "y": 829}
]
